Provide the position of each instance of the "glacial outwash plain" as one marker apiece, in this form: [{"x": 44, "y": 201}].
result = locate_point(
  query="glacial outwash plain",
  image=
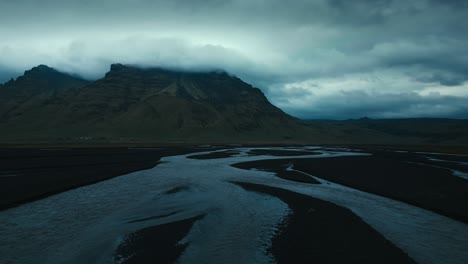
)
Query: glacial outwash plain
[{"x": 156, "y": 165}]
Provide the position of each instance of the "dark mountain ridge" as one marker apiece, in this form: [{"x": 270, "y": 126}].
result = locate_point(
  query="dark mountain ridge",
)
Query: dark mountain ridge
[
  {"x": 132, "y": 104},
  {"x": 36, "y": 87},
  {"x": 43, "y": 77},
  {"x": 160, "y": 106}
]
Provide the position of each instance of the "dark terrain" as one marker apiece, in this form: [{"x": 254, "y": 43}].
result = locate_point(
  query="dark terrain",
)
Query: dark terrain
[
  {"x": 452, "y": 134},
  {"x": 316, "y": 232},
  {"x": 164, "y": 238},
  {"x": 215, "y": 155},
  {"x": 408, "y": 177},
  {"x": 28, "y": 174}
]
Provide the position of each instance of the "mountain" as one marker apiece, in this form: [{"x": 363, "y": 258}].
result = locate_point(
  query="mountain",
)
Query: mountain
[
  {"x": 160, "y": 106},
  {"x": 35, "y": 88},
  {"x": 133, "y": 104}
]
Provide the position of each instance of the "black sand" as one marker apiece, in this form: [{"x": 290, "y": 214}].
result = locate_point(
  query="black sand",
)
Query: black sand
[
  {"x": 322, "y": 232},
  {"x": 215, "y": 155},
  {"x": 394, "y": 175},
  {"x": 28, "y": 174},
  {"x": 280, "y": 152},
  {"x": 157, "y": 244}
]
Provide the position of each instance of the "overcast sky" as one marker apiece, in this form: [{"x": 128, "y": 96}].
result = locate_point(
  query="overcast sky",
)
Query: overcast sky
[{"x": 314, "y": 59}]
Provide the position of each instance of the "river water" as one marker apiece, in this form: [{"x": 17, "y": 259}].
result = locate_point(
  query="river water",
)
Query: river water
[{"x": 86, "y": 225}]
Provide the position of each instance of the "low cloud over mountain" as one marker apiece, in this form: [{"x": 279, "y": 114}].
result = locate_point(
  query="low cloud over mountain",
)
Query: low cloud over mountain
[{"x": 315, "y": 59}]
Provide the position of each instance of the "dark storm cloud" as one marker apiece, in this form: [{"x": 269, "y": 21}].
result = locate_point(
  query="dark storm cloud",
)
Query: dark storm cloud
[
  {"x": 298, "y": 52},
  {"x": 347, "y": 105}
]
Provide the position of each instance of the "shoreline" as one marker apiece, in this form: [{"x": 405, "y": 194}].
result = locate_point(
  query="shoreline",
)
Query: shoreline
[
  {"x": 391, "y": 175},
  {"x": 323, "y": 232},
  {"x": 34, "y": 174},
  {"x": 324, "y": 223}
]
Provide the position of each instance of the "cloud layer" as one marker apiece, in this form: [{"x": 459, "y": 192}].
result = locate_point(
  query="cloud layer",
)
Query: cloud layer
[{"x": 315, "y": 59}]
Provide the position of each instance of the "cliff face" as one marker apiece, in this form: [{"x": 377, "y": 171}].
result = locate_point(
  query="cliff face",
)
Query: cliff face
[{"x": 132, "y": 103}]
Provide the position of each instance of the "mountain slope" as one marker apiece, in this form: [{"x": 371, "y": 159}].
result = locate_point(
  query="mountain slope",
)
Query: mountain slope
[
  {"x": 38, "y": 87},
  {"x": 134, "y": 104}
]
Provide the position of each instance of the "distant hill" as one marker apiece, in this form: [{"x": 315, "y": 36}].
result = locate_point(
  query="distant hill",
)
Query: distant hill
[
  {"x": 159, "y": 106},
  {"x": 420, "y": 131}
]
